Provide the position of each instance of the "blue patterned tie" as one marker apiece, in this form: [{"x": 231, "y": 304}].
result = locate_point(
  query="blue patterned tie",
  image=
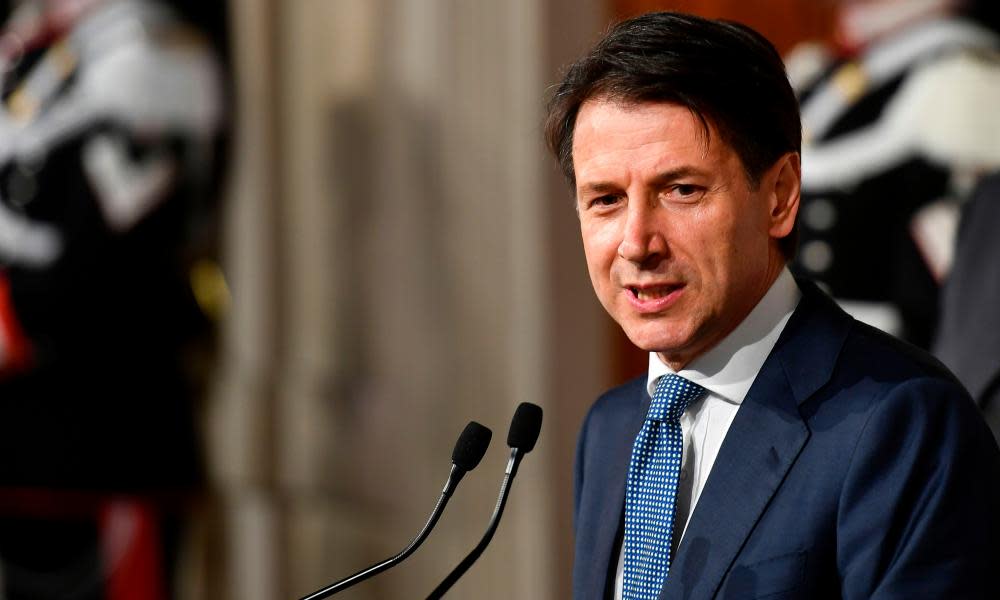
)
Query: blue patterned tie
[{"x": 651, "y": 490}]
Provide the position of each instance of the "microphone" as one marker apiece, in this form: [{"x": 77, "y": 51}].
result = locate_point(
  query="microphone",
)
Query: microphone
[
  {"x": 521, "y": 438},
  {"x": 469, "y": 450}
]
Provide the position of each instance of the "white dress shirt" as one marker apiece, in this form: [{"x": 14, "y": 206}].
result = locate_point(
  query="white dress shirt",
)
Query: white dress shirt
[{"x": 727, "y": 371}]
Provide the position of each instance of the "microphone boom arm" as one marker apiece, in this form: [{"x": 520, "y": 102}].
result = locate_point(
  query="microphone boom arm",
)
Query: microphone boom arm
[
  {"x": 449, "y": 488},
  {"x": 512, "y": 464}
]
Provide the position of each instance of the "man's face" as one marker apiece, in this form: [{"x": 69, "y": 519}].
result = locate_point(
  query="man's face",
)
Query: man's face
[{"x": 679, "y": 247}]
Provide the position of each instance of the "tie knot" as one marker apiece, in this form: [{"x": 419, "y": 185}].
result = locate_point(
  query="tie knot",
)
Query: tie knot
[{"x": 672, "y": 396}]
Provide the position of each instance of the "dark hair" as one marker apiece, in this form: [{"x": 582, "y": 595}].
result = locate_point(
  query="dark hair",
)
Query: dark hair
[{"x": 724, "y": 72}]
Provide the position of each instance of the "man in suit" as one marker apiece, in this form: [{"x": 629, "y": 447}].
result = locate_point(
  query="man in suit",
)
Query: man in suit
[{"x": 777, "y": 448}]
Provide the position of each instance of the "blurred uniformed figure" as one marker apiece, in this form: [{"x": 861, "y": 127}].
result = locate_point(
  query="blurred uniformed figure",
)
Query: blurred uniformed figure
[
  {"x": 111, "y": 127},
  {"x": 899, "y": 121},
  {"x": 968, "y": 336}
]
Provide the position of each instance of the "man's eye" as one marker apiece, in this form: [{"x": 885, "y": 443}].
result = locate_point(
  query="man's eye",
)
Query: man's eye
[
  {"x": 602, "y": 201},
  {"x": 684, "y": 192}
]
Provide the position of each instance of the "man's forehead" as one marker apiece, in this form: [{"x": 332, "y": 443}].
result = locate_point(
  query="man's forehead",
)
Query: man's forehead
[
  {"x": 614, "y": 118},
  {"x": 605, "y": 125}
]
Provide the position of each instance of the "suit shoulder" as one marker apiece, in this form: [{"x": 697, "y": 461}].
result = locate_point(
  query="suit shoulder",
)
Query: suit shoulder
[
  {"x": 859, "y": 369},
  {"x": 628, "y": 389},
  {"x": 615, "y": 404},
  {"x": 823, "y": 344},
  {"x": 881, "y": 377},
  {"x": 890, "y": 359},
  {"x": 612, "y": 399}
]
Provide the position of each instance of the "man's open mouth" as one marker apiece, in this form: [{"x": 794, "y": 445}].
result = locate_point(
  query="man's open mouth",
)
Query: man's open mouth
[{"x": 645, "y": 294}]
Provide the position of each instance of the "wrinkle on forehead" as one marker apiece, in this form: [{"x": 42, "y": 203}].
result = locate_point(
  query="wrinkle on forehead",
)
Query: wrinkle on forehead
[{"x": 632, "y": 105}]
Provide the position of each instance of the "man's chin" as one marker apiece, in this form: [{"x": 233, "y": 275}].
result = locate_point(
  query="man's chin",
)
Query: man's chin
[{"x": 657, "y": 342}]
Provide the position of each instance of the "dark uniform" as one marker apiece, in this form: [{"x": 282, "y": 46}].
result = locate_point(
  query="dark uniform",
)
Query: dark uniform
[
  {"x": 873, "y": 162},
  {"x": 968, "y": 339}
]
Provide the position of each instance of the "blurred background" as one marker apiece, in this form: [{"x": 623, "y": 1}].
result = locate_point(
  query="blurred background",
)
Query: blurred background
[{"x": 263, "y": 260}]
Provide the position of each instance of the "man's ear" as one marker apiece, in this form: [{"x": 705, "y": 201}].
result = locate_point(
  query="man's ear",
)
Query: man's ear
[{"x": 785, "y": 190}]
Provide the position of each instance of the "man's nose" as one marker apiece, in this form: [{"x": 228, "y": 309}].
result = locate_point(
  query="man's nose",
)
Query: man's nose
[{"x": 642, "y": 240}]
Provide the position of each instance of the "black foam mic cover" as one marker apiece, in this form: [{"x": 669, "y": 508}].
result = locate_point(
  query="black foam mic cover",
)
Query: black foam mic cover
[
  {"x": 471, "y": 446},
  {"x": 524, "y": 427}
]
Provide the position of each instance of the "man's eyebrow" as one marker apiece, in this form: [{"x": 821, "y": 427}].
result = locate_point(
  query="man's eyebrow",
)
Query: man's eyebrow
[
  {"x": 599, "y": 187},
  {"x": 675, "y": 174},
  {"x": 669, "y": 176}
]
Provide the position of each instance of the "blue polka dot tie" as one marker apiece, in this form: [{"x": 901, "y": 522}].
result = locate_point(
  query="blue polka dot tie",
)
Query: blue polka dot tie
[{"x": 651, "y": 490}]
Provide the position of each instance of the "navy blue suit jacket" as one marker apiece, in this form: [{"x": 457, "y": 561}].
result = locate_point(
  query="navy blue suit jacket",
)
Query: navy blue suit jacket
[{"x": 856, "y": 467}]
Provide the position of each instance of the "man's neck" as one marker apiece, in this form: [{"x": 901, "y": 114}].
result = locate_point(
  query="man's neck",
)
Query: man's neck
[
  {"x": 678, "y": 360},
  {"x": 730, "y": 367}
]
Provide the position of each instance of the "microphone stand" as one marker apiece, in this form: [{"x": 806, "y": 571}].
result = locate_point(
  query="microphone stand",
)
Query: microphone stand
[
  {"x": 449, "y": 487},
  {"x": 515, "y": 460}
]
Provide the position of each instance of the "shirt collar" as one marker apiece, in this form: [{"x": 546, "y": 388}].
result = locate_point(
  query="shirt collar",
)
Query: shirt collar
[{"x": 729, "y": 368}]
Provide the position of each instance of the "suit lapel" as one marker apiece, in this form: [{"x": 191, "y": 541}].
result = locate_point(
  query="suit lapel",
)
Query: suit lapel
[
  {"x": 611, "y": 471},
  {"x": 762, "y": 444}
]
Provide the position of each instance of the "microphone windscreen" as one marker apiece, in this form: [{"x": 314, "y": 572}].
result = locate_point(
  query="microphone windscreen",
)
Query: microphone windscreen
[
  {"x": 524, "y": 427},
  {"x": 471, "y": 446}
]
